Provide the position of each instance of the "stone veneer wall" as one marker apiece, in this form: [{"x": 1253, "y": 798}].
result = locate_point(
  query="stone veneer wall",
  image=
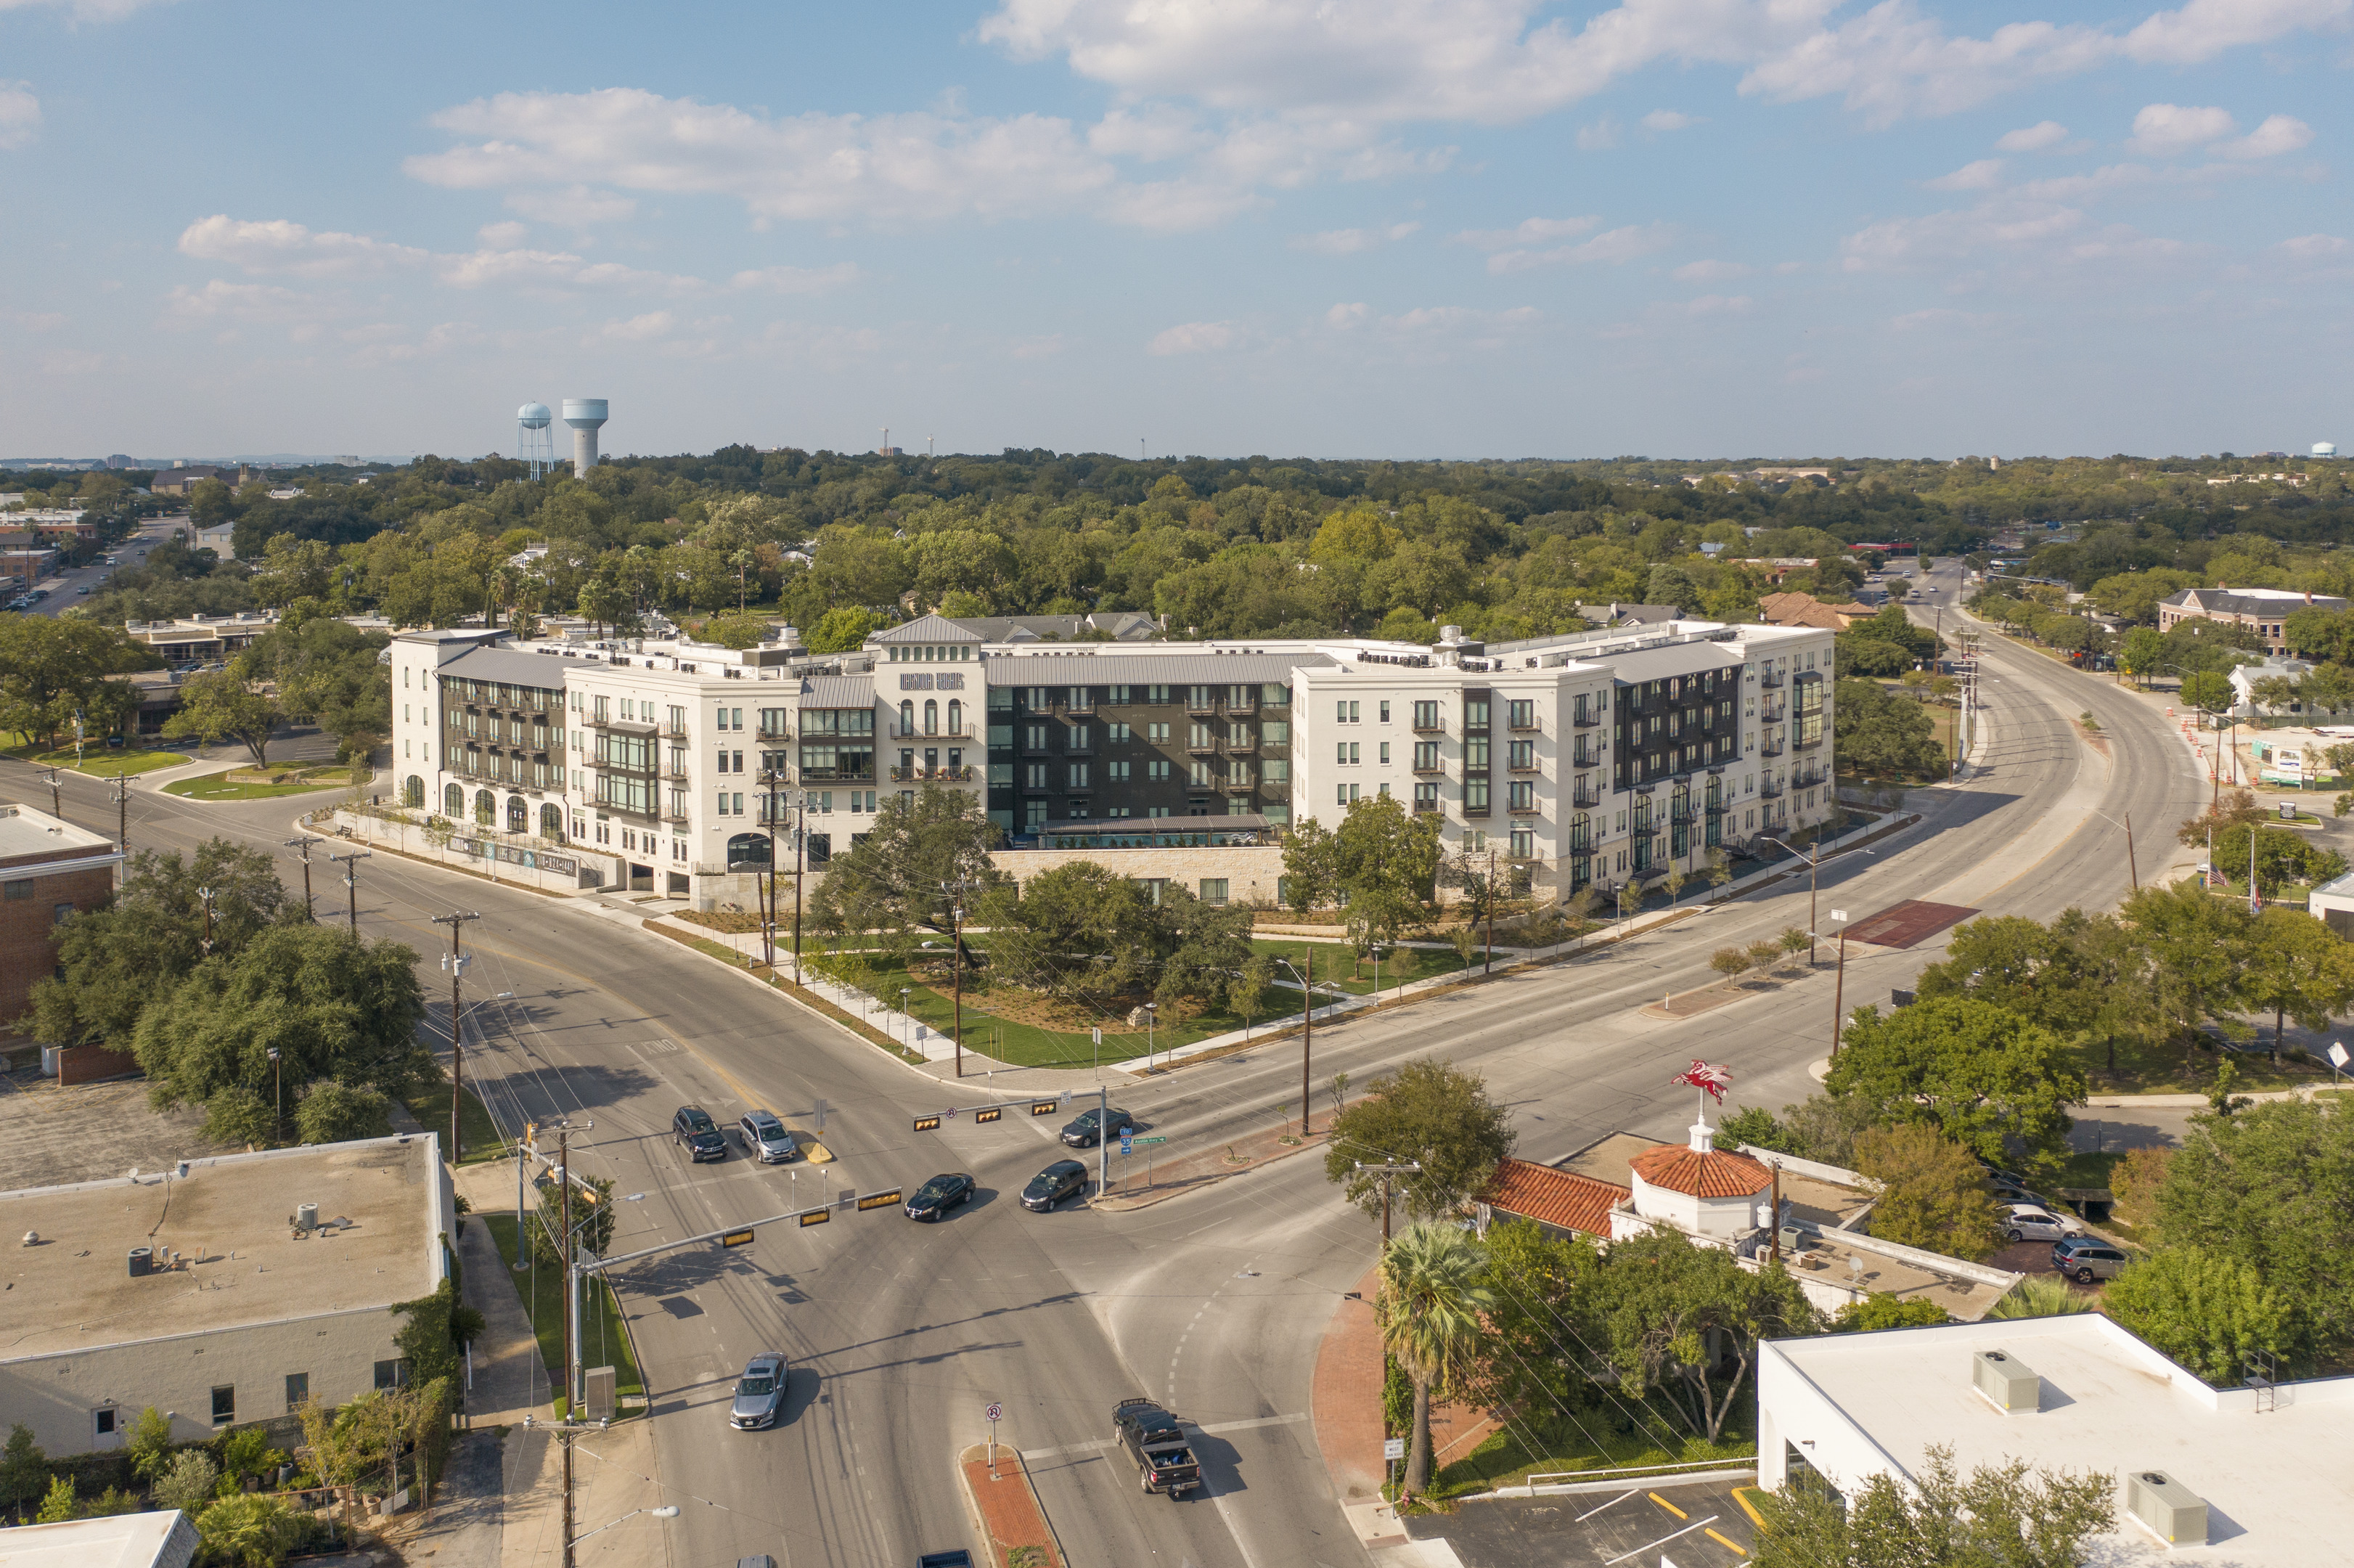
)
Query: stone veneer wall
[{"x": 1250, "y": 870}]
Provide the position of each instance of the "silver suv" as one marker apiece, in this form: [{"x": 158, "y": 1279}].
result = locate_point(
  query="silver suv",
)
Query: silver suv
[
  {"x": 2086, "y": 1258},
  {"x": 766, "y": 1140}
]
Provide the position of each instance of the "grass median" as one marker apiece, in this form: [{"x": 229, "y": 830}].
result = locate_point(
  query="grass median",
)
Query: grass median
[
  {"x": 98, "y": 761},
  {"x": 290, "y": 781},
  {"x": 430, "y": 1106},
  {"x": 604, "y": 1333}
]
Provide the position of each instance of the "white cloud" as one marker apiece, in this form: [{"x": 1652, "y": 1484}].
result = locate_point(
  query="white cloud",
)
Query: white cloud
[
  {"x": 2032, "y": 138},
  {"x": 575, "y": 207},
  {"x": 1350, "y": 241},
  {"x": 1044, "y": 347},
  {"x": 502, "y": 236},
  {"x": 2163, "y": 130},
  {"x": 638, "y": 329},
  {"x": 1194, "y": 337},
  {"x": 1530, "y": 231},
  {"x": 2315, "y": 246},
  {"x": 2279, "y": 134},
  {"x": 71, "y": 362},
  {"x": 1343, "y": 317},
  {"x": 1719, "y": 305},
  {"x": 1603, "y": 134},
  {"x": 39, "y": 320},
  {"x": 1665, "y": 120},
  {"x": 20, "y": 114},
  {"x": 1151, "y": 132},
  {"x": 2205, "y": 28},
  {"x": 220, "y": 302},
  {"x": 1616, "y": 246},
  {"x": 1710, "y": 271},
  {"x": 279, "y": 246},
  {"x": 1984, "y": 175},
  {"x": 799, "y": 280},
  {"x": 85, "y": 10}
]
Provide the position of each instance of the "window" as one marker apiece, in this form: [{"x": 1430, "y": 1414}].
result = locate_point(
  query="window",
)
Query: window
[
  {"x": 1036, "y": 778},
  {"x": 1474, "y": 797},
  {"x": 1201, "y": 776},
  {"x": 60, "y": 913},
  {"x": 1524, "y": 753},
  {"x": 1475, "y": 713},
  {"x": 224, "y": 1404},
  {"x": 20, "y": 889},
  {"x": 1522, "y": 714},
  {"x": 1276, "y": 771},
  {"x": 1385, "y": 713},
  {"x": 1475, "y": 752},
  {"x": 103, "y": 1424},
  {"x": 1078, "y": 776},
  {"x": 1524, "y": 845},
  {"x": 298, "y": 1389},
  {"x": 1345, "y": 752},
  {"x": 1344, "y": 712},
  {"x": 1425, "y": 797},
  {"x": 1344, "y": 793},
  {"x": 1156, "y": 772},
  {"x": 1156, "y": 693},
  {"x": 1156, "y": 732},
  {"x": 1524, "y": 795},
  {"x": 1213, "y": 890},
  {"x": 1115, "y": 695},
  {"x": 1275, "y": 732},
  {"x": 1275, "y": 694},
  {"x": 1425, "y": 716},
  {"x": 1116, "y": 732},
  {"x": 1116, "y": 772}
]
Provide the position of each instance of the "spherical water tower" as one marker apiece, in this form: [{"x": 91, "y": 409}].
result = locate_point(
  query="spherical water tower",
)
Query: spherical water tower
[
  {"x": 534, "y": 442},
  {"x": 585, "y": 415}
]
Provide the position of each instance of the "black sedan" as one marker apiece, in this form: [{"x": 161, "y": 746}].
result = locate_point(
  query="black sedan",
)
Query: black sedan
[
  {"x": 1081, "y": 1131},
  {"x": 1063, "y": 1179},
  {"x": 938, "y": 1195},
  {"x": 694, "y": 1130}
]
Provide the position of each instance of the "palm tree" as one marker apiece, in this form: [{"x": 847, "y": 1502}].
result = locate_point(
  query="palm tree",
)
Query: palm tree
[{"x": 1431, "y": 1302}]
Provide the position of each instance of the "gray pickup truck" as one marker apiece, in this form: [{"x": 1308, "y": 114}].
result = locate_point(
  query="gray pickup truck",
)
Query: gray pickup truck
[{"x": 1156, "y": 1441}]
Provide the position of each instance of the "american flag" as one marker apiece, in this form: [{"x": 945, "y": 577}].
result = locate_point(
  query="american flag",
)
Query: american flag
[
  {"x": 2215, "y": 878},
  {"x": 1712, "y": 1081}
]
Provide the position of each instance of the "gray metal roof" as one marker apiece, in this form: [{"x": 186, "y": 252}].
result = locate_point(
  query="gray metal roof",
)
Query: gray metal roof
[
  {"x": 929, "y": 629},
  {"x": 544, "y": 671},
  {"x": 838, "y": 691},
  {"x": 1147, "y": 669},
  {"x": 1680, "y": 659}
]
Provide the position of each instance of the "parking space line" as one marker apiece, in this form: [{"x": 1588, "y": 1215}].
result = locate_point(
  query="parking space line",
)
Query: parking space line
[
  {"x": 1722, "y": 1541},
  {"x": 1661, "y": 1541},
  {"x": 1668, "y": 1505}
]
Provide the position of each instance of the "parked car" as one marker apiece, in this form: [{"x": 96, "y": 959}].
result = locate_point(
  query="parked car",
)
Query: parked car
[
  {"x": 2086, "y": 1258},
  {"x": 938, "y": 1195},
  {"x": 694, "y": 1130},
  {"x": 2027, "y": 1221},
  {"x": 1081, "y": 1131},
  {"x": 766, "y": 1140},
  {"x": 1063, "y": 1179},
  {"x": 2008, "y": 1192},
  {"x": 759, "y": 1392}
]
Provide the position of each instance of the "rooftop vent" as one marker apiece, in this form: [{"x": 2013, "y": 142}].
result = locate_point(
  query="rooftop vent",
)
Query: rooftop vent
[
  {"x": 306, "y": 1216},
  {"x": 2011, "y": 1383},
  {"x": 2165, "y": 1508}
]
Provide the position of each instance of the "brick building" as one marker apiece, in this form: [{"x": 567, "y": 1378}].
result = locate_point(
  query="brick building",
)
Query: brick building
[
  {"x": 2263, "y": 609},
  {"x": 49, "y": 869}
]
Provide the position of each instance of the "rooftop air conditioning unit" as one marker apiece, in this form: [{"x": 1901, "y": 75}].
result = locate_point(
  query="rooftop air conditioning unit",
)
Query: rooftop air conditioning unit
[
  {"x": 2165, "y": 1508},
  {"x": 2003, "y": 1378}
]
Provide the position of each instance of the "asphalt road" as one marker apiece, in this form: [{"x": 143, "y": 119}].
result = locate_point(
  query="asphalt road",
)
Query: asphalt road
[
  {"x": 66, "y": 589},
  {"x": 901, "y": 1333}
]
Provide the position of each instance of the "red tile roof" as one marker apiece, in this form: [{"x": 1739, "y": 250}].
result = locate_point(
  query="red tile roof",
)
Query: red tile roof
[
  {"x": 1553, "y": 1197},
  {"x": 1680, "y": 1168}
]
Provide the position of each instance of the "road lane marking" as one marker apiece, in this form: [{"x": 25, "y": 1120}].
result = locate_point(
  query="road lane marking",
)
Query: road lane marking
[
  {"x": 1216, "y": 1429},
  {"x": 1639, "y": 1551}
]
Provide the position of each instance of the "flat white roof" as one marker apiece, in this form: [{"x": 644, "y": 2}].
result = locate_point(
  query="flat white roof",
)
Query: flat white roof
[
  {"x": 160, "y": 1540},
  {"x": 2276, "y": 1482}
]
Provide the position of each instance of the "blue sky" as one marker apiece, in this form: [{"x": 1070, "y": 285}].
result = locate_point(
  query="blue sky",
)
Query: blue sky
[{"x": 1342, "y": 227}]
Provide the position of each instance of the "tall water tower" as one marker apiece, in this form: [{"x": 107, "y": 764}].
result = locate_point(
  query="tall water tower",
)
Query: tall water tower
[
  {"x": 585, "y": 415},
  {"x": 534, "y": 442}
]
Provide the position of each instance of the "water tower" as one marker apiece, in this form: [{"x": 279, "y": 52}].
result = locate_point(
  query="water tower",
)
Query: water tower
[
  {"x": 534, "y": 442},
  {"x": 2324, "y": 448},
  {"x": 585, "y": 415}
]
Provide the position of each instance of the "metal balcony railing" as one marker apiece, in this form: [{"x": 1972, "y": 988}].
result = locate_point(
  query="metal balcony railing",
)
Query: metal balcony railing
[
  {"x": 959, "y": 775},
  {"x": 1425, "y": 808},
  {"x": 1525, "y": 808},
  {"x": 1807, "y": 743},
  {"x": 1769, "y": 789},
  {"x": 837, "y": 776},
  {"x": 1434, "y": 726},
  {"x": 1582, "y": 719},
  {"x": 1772, "y": 750},
  {"x": 942, "y": 732},
  {"x": 1772, "y": 679},
  {"x": 1585, "y": 797},
  {"x": 1527, "y": 723}
]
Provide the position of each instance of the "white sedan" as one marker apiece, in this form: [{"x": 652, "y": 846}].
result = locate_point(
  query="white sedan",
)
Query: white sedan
[{"x": 2025, "y": 1221}]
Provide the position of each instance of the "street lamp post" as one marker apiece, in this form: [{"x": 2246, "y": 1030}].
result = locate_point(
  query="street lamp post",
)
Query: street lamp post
[
  {"x": 1307, "y": 1027},
  {"x": 278, "y": 1077},
  {"x": 2132, "y": 868},
  {"x": 1151, "y": 1016},
  {"x": 1814, "y": 867},
  {"x": 906, "y": 1020},
  {"x": 1838, "y": 987}
]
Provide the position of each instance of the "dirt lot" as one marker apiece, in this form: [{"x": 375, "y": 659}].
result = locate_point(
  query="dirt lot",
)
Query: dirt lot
[{"x": 51, "y": 1136}]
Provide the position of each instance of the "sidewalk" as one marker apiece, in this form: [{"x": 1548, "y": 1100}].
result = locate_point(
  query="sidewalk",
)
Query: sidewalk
[
  {"x": 613, "y": 1473},
  {"x": 510, "y": 1380},
  {"x": 1179, "y": 1175}
]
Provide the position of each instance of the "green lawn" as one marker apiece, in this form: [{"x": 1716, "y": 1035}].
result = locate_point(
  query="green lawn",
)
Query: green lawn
[
  {"x": 1335, "y": 964},
  {"x": 1506, "y": 1459},
  {"x": 430, "y": 1104},
  {"x": 217, "y": 787},
  {"x": 2163, "y": 1070},
  {"x": 603, "y": 1341},
  {"x": 98, "y": 762}
]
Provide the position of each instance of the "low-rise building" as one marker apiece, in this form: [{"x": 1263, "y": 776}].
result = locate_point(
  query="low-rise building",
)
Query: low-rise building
[
  {"x": 2261, "y": 608},
  {"x": 49, "y": 870},
  {"x": 160, "y": 1540},
  {"x": 2243, "y": 1475},
  {"x": 221, "y": 1291}
]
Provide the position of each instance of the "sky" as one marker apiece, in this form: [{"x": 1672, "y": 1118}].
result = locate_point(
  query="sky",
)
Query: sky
[{"x": 1411, "y": 229}]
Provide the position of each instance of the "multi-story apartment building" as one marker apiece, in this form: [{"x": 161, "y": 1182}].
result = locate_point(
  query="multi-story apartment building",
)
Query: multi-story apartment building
[{"x": 1596, "y": 756}]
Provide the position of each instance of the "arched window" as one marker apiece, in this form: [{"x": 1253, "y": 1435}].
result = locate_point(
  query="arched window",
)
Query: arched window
[
  {"x": 518, "y": 815},
  {"x": 453, "y": 802},
  {"x": 748, "y": 849},
  {"x": 412, "y": 793},
  {"x": 908, "y": 718},
  {"x": 551, "y": 822},
  {"x": 486, "y": 806},
  {"x": 956, "y": 717},
  {"x": 931, "y": 717}
]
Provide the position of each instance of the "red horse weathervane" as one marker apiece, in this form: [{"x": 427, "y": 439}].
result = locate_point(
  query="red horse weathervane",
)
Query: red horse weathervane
[{"x": 1709, "y": 1080}]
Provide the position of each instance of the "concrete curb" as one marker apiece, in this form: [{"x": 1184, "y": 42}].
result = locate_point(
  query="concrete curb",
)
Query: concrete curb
[
  {"x": 1007, "y": 1453},
  {"x": 1624, "y": 1483}
]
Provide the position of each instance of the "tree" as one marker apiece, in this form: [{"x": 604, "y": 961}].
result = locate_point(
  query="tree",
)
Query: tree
[
  {"x": 2004, "y": 1516},
  {"x": 1729, "y": 961},
  {"x": 1886, "y": 1310},
  {"x": 1686, "y": 1321},
  {"x": 1432, "y": 1112},
  {"x": 1311, "y": 870},
  {"x": 222, "y": 705},
  {"x": 2139, "y": 652},
  {"x": 1200, "y": 947},
  {"x": 2198, "y": 947},
  {"x": 325, "y": 670},
  {"x": 1539, "y": 1282},
  {"x": 2232, "y": 808},
  {"x": 2282, "y": 856},
  {"x": 58, "y": 1504},
  {"x": 2299, "y": 967},
  {"x": 1247, "y": 994},
  {"x": 2208, "y": 1311},
  {"x": 2266, "y": 1186},
  {"x": 1933, "y": 1193},
  {"x": 1080, "y": 931},
  {"x": 1431, "y": 1306},
  {"x": 187, "y": 1482},
  {"x": 51, "y": 666},
  {"x": 840, "y": 630},
  {"x": 251, "y": 1530},
  {"x": 1878, "y": 733},
  {"x": 738, "y": 632},
  {"x": 2208, "y": 691},
  {"x": 1380, "y": 848},
  {"x": 1986, "y": 1077},
  {"x": 22, "y": 1471},
  {"x": 601, "y": 604},
  {"x": 593, "y": 1219},
  {"x": 921, "y": 856},
  {"x": 149, "y": 1443},
  {"x": 335, "y": 1112}
]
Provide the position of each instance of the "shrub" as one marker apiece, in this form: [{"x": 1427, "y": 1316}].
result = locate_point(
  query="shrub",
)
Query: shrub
[{"x": 2040, "y": 1296}]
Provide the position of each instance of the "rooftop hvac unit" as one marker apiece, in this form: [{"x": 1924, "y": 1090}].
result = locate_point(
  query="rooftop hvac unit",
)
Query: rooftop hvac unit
[
  {"x": 1794, "y": 1240},
  {"x": 2165, "y": 1508},
  {"x": 306, "y": 1216},
  {"x": 2011, "y": 1383}
]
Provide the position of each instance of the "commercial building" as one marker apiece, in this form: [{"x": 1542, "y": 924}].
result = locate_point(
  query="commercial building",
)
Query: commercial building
[
  {"x": 2251, "y": 1474},
  {"x": 162, "y": 1540},
  {"x": 1593, "y": 757},
  {"x": 49, "y": 869},
  {"x": 2263, "y": 609},
  {"x": 220, "y": 1292}
]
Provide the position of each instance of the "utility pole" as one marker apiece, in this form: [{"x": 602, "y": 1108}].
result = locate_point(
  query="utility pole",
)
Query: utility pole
[
  {"x": 571, "y": 1396},
  {"x": 1489, "y": 967},
  {"x": 56, "y": 801},
  {"x": 456, "y": 963},
  {"x": 1385, "y": 1172},
  {"x": 305, "y": 843},
  {"x": 352, "y": 881},
  {"x": 123, "y": 814},
  {"x": 955, "y": 964},
  {"x": 1838, "y": 987},
  {"x": 800, "y": 854},
  {"x": 768, "y": 916},
  {"x": 1307, "y": 1039}
]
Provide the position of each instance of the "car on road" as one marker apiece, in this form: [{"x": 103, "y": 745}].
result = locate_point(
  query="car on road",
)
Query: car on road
[
  {"x": 1156, "y": 1441},
  {"x": 765, "y": 1138},
  {"x": 83, "y": 589},
  {"x": 2030, "y": 1222},
  {"x": 694, "y": 1130},
  {"x": 759, "y": 1392},
  {"x": 1082, "y": 1133},
  {"x": 936, "y": 1197},
  {"x": 2086, "y": 1258},
  {"x": 1063, "y": 1179}
]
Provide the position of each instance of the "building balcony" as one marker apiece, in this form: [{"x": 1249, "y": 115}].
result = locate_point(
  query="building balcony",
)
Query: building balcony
[
  {"x": 1775, "y": 749},
  {"x": 1772, "y": 680},
  {"x": 1242, "y": 747},
  {"x": 1470, "y": 811},
  {"x": 673, "y": 770},
  {"x": 837, "y": 776},
  {"x": 1435, "y": 727},
  {"x": 673, "y": 813},
  {"x": 1430, "y": 769},
  {"x": 1529, "y": 727},
  {"x": 1582, "y": 719},
  {"x": 1769, "y": 789},
  {"x": 1772, "y": 713},
  {"x": 1527, "y": 809},
  {"x": 1804, "y": 743},
  {"x": 1530, "y": 765},
  {"x": 1209, "y": 706},
  {"x": 1239, "y": 784},
  {"x": 940, "y": 774},
  {"x": 1425, "y": 808},
  {"x": 942, "y": 732},
  {"x": 1202, "y": 748},
  {"x": 1585, "y": 797}
]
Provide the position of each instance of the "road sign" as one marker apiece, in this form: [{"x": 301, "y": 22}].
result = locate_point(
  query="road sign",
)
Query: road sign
[
  {"x": 928, "y": 1124},
  {"x": 879, "y": 1200},
  {"x": 2338, "y": 1056},
  {"x": 1126, "y": 1141},
  {"x": 1151, "y": 1140},
  {"x": 736, "y": 1238},
  {"x": 1097, "y": 1033},
  {"x": 1393, "y": 1448},
  {"x": 816, "y": 1217},
  {"x": 996, "y": 1413},
  {"x": 952, "y": 1113},
  {"x": 980, "y": 1116},
  {"x": 1044, "y": 1108}
]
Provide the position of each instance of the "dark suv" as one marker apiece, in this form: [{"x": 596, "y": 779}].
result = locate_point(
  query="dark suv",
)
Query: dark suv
[
  {"x": 694, "y": 1130},
  {"x": 1082, "y": 1133}
]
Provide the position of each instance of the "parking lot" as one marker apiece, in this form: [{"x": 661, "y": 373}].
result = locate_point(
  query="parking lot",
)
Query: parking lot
[{"x": 1694, "y": 1525}]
